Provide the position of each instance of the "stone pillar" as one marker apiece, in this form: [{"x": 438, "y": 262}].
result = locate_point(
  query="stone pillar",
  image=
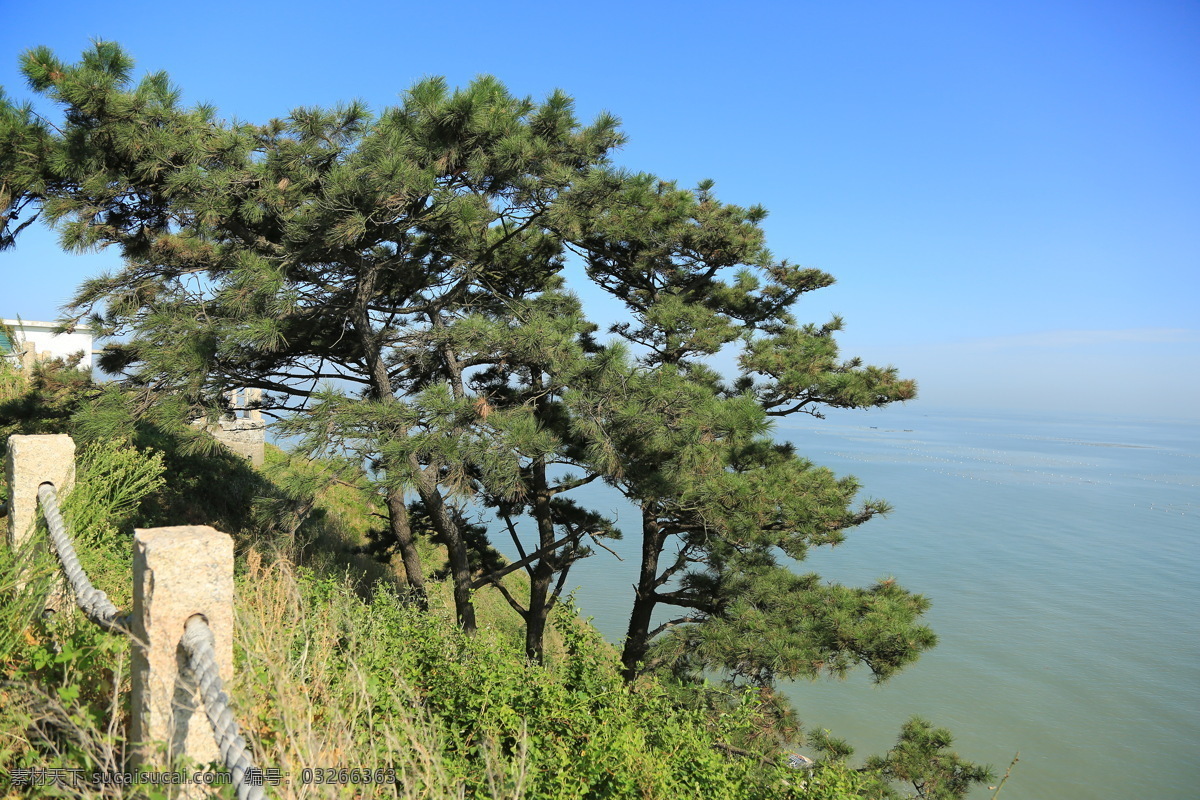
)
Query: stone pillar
[
  {"x": 253, "y": 401},
  {"x": 243, "y": 437},
  {"x": 177, "y": 572},
  {"x": 234, "y": 398},
  {"x": 28, "y": 356},
  {"x": 32, "y": 461}
]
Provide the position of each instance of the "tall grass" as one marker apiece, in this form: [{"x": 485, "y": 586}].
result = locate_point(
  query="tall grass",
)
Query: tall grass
[
  {"x": 308, "y": 704},
  {"x": 334, "y": 671}
]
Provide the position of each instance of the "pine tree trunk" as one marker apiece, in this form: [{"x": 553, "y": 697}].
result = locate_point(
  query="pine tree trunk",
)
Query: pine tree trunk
[
  {"x": 535, "y": 621},
  {"x": 381, "y": 389},
  {"x": 456, "y": 547},
  {"x": 637, "y": 639},
  {"x": 543, "y": 571},
  {"x": 402, "y": 532}
]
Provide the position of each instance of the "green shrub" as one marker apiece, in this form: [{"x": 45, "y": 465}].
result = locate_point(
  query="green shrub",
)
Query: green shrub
[
  {"x": 367, "y": 676},
  {"x": 328, "y": 675}
]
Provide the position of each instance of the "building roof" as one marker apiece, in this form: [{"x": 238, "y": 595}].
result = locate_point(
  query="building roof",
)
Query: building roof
[{"x": 30, "y": 323}]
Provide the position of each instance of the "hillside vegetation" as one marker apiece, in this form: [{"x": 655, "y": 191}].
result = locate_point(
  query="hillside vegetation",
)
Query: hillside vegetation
[{"x": 335, "y": 669}]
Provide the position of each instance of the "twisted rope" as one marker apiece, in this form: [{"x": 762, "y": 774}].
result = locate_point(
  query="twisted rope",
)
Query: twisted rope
[
  {"x": 198, "y": 643},
  {"x": 93, "y": 602}
]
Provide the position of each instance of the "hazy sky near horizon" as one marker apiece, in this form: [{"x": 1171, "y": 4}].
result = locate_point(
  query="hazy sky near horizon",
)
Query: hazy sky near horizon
[{"x": 1007, "y": 192}]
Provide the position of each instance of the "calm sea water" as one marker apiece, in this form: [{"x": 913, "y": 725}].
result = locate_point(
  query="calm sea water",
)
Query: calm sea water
[{"x": 1062, "y": 556}]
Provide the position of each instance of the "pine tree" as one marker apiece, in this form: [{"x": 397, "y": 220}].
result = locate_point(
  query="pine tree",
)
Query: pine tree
[
  {"x": 305, "y": 255},
  {"x": 526, "y": 398},
  {"x": 720, "y": 501},
  {"x": 25, "y": 142}
]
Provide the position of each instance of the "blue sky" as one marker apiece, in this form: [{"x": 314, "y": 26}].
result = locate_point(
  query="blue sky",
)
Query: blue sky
[{"x": 1007, "y": 192}]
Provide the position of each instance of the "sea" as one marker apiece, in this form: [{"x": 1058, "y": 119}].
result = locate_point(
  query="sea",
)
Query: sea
[{"x": 1062, "y": 557}]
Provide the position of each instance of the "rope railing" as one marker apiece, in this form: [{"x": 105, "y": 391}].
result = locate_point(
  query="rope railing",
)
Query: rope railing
[
  {"x": 197, "y": 642},
  {"x": 93, "y": 602}
]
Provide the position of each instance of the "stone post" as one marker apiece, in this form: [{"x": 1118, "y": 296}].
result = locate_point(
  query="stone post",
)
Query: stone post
[
  {"x": 28, "y": 357},
  {"x": 253, "y": 400},
  {"x": 177, "y": 572},
  {"x": 32, "y": 461}
]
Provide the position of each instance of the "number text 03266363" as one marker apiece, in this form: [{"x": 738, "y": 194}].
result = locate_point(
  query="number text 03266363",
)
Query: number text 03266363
[{"x": 346, "y": 775}]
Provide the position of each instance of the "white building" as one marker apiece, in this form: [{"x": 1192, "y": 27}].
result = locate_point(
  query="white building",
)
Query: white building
[{"x": 40, "y": 339}]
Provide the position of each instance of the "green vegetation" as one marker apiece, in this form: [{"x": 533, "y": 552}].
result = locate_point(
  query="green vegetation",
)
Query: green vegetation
[
  {"x": 333, "y": 672},
  {"x": 393, "y": 283}
]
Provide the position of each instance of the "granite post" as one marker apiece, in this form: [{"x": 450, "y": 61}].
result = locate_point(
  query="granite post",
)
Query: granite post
[
  {"x": 30, "y": 462},
  {"x": 178, "y": 572}
]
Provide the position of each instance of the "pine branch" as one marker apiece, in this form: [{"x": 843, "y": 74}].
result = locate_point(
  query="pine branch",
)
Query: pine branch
[
  {"x": 512, "y": 532},
  {"x": 558, "y": 587},
  {"x": 596, "y": 541},
  {"x": 666, "y": 626},
  {"x": 568, "y": 486},
  {"x": 687, "y": 600},
  {"x": 512, "y": 601},
  {"x": 531, "y": 558}
]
